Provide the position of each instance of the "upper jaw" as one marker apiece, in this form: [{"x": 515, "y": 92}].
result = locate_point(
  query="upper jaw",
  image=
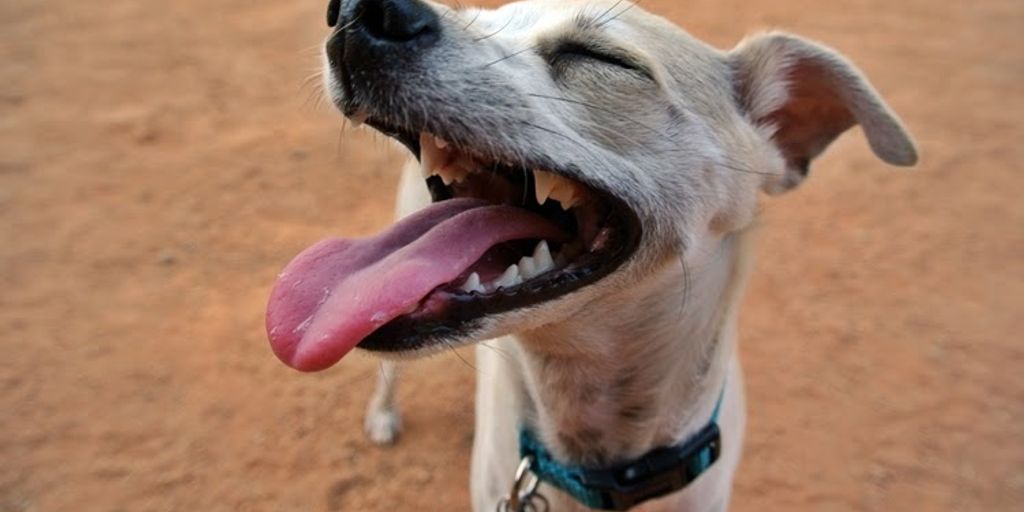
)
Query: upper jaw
[{"x": 429, "y": 144}]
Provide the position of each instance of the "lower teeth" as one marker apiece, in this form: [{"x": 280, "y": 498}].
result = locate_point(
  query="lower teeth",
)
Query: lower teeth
[{"x": 529, "y": 267}]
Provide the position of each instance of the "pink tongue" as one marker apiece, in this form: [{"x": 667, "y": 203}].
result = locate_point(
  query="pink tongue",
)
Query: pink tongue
[{"x": 339, "y": 291}]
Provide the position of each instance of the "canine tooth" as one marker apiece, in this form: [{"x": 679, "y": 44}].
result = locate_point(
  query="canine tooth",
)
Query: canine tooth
[
  {"x": 527, "y": 267},
  {"x": 542, "y": 257},
  {"x": 472, "y": 284},
  {"x": 440, "y": 143},
  {"x": 565, "y": 193},
  {"x": 552, "y": 186},
  {"x": 544, "y": 182},
  {"x": 510, "y": 278}
]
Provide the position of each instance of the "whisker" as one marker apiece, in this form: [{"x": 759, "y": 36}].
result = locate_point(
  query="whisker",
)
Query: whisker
[
  {"x": 504, "y": 354},
  {"x": 620, "y": 13},
  {"x": 605, "y": 13},
  {"x": 350, "y": 23},
  {"x": 472, "y": 21},
  {"x": 458, "y": 355},
  {"x": 362, "y": 376},
  {"x": 312, "y": 98},
  {"x": 552, "y": 132},
  {"x": 315, "y": 49},
  {"x": 312, "y": 78},
  {"x": 322, "y": 100},
  {"x": 312, "y": 82},
  {"x": 511, "y": 55},
  {"x": 496, "y": 32}
]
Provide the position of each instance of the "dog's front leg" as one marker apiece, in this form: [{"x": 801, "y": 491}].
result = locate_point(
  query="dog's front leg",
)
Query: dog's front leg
[{"x": 382, "y": 422}]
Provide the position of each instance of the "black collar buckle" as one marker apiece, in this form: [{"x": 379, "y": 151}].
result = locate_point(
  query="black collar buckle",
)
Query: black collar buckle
[{"x": 658, "y": 473}]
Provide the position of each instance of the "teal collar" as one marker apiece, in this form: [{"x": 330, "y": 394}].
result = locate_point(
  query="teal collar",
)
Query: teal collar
[{"x": 658, "y": 473}]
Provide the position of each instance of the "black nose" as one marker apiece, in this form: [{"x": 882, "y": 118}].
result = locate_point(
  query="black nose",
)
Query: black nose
[
  {"x": 388, "y": 21},
  {"x": 378, "y": 44}
]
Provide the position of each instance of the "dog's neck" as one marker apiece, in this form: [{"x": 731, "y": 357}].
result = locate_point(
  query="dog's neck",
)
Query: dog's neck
[{"x": 638, "y": 369}]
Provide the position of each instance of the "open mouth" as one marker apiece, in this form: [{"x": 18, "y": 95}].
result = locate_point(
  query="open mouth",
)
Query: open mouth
[{"x": 498, "y": 237}]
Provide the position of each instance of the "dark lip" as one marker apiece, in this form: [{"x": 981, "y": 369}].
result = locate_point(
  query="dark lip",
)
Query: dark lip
[
  {"x": 406, "y": 137},
  {"x": 466, "y": 313}
]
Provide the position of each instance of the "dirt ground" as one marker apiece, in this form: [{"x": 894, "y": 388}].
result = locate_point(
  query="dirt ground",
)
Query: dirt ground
[{"x": 161, "y": 161}]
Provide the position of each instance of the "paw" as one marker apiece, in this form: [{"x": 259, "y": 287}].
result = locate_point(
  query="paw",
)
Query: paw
[{"x": 382, "y": 426}]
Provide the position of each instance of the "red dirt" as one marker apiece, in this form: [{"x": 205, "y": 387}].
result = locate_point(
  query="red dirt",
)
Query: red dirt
[{"x": 160, "y": 162}]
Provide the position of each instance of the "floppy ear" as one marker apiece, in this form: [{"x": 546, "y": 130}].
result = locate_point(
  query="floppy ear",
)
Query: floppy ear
[{"x": 806, "y": 95}]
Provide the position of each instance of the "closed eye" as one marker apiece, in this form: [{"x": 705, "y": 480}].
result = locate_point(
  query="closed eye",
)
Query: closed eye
[{"x": 568, "y": 53}]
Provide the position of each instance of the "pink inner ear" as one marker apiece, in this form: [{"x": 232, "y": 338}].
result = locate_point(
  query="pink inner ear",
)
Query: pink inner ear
[
  {"x": 810, "y": 95},
  {"x": 813, "y": 116}
]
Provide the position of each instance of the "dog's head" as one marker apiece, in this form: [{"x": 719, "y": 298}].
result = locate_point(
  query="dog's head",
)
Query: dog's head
[{"x": 612, "y": 140}]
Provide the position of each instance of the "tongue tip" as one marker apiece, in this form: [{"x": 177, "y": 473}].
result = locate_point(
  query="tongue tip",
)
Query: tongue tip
[
  {"x": 310, "y": 362},
  {"x": 297, "y": 348},
  {"x": 286, "y": 322},
  {"x": 304, "y": 356}
]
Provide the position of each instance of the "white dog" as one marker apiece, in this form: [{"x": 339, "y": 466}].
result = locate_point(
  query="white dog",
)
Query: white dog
[{"x": 593, "y": 174}]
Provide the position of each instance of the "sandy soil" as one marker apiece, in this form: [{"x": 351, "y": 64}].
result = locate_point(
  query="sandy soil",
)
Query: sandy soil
[{"x": 161, "y": 161}]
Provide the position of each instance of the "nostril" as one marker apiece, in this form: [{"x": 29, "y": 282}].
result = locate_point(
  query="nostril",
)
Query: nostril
[
  {"x": 333, "y": 12},
  {"x": 397, "y": 20}
]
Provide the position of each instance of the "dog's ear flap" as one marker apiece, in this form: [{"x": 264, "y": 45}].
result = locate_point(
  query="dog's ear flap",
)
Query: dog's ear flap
[{"x": 806, "y": 95}]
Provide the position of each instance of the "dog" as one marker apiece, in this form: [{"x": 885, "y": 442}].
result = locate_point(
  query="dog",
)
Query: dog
[{"x": 583, "y": 184}]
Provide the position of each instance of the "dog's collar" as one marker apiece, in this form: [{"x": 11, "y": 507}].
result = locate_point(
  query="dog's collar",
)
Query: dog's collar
[{"x": 657, "y": 473}]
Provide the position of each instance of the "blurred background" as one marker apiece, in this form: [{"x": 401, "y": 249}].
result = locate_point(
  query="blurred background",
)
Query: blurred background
[{"x": 160, "y": 162}]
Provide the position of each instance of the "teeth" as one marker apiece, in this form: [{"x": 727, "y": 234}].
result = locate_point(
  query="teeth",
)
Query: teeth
[
  {"x": 544, "y": 181},
  {"x": 472, "y": 284},
  {"x": 510, "y": 278},
  {"x": 555, "y": 187},
  {"x": 435, "y": 159},
  {"x": 527, "y": 267},
  {"x": 542, "y": 258},
  {"x": 359, "y": 118},
  {"x": 565, "y": 193}
]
